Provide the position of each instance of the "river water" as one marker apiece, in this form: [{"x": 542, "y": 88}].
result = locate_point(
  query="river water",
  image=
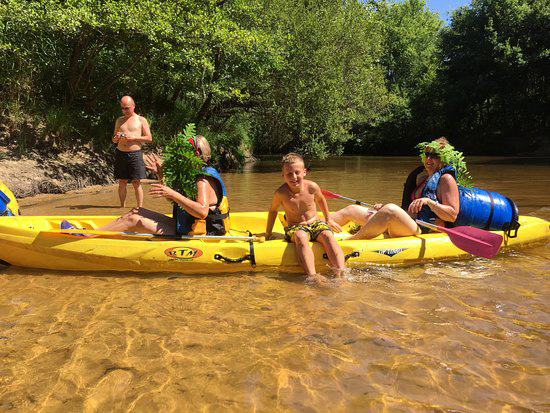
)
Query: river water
[{"x": 462, "y": 336}]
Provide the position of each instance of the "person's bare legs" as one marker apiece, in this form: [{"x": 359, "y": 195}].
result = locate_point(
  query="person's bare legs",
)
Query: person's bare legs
[
  {"x": 122, "y": 183},
  {"x": 334, "y": 252},
  {"x": 304, "y": 252},
  {"x": 142, "y": 220},
  {"x": 138, "y": 189},
  {"x": 391, "y": 219},
  {"x": 356, "y": 213}
]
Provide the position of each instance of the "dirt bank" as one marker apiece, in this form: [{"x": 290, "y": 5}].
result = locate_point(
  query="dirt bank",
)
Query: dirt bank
[{"x": 54, "y": 173}]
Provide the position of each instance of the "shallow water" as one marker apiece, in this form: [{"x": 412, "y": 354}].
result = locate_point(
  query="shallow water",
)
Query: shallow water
[{"x": 462, "y": 336}]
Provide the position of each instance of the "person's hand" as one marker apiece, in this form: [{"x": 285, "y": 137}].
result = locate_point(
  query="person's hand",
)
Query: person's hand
[
  {"x": 161, "y": 191},
  {"x": 417, "y": 204},
  {"x": 378, "y": 207},
  {"x": 265, "y": 235},
  {"x": 118, "y": 136},
  {"x": 153, "y": 162},
  {"x": 334, "y": 225}
]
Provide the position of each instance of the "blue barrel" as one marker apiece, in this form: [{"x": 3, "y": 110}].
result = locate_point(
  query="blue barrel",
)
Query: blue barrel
[{"x": 486, "y": 210}]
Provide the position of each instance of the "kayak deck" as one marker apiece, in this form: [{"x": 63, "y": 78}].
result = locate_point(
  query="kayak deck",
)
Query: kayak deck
[{"x": 27, "y": 242}]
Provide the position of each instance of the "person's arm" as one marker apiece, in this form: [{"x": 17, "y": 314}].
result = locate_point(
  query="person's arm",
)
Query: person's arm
[
  {"x": 449, "y": 207},
  {"x": 272, "y": 215},
  {"x": 323, "y": 206},
  {"x": 198, "y": 208},
  {"x": 116, "y": 134},
  {"x": 146, "y": 136},
  {"x": 153, "y": 162}
]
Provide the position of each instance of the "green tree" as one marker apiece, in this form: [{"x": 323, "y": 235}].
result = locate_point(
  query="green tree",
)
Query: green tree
[
  {"x": 329, "y": 78},
  {"x": 410, "y": 59},
  {"x": 496, "y": 65}
]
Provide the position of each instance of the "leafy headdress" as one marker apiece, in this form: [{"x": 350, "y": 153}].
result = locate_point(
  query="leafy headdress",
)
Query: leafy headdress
[
  {"x": 181, "y": 164},
  {"x": 449, "y": 156}
]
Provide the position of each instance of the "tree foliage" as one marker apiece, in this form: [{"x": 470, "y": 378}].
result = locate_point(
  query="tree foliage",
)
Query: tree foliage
[
  {"x": 314, "y": 76},
  {"x": 496, "y": 59}
]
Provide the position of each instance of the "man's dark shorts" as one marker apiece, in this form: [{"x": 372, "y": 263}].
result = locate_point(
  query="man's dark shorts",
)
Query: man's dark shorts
[{"x": 129, "y": 165}]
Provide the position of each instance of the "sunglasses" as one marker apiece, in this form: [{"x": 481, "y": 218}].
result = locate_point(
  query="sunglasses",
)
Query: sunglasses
[{"x": 431, "y": 155}]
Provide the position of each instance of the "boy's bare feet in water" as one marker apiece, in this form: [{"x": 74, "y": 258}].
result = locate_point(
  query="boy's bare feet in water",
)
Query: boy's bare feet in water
[{"x": 317, "y": 280}]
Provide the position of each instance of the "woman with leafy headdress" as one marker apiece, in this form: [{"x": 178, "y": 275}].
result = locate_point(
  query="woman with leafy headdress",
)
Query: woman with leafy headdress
[
  {"x": 434, "y": 196},
  {"x": 199, "y": 197}
]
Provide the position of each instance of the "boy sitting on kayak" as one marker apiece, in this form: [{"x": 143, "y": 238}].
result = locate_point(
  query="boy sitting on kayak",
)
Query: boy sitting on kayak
[{"x": 298, "y": 198}]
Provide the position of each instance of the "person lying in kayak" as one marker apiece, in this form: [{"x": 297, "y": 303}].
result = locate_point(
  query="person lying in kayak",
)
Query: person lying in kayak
[
  {"x": 299, "y": 197},
  {"x": 434, "y": 197},
  {"x": 208, "y": 213}
]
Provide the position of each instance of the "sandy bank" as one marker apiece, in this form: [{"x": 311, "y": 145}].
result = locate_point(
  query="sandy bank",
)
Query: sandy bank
[{"x": 55, "y": 173}]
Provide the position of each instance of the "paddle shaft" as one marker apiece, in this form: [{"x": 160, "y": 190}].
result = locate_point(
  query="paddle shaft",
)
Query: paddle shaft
[
  {"x": 338, "y": 196},
  {"x": 144, "y": 235}
]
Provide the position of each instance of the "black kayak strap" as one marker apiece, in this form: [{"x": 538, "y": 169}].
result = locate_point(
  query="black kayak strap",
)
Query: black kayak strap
[{"x": 215, "y": 215}]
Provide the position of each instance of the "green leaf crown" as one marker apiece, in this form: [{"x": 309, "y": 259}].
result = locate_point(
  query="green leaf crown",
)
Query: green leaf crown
[
  {"x": 449, "y": 156},
  {"x": 181, "y": 165}
]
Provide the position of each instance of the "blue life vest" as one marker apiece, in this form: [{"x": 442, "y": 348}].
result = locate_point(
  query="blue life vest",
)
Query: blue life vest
[
  {"x": 478, "y": 208},
  {"x": 430, "y": 191},
  {"x": 217, "y": 221}
]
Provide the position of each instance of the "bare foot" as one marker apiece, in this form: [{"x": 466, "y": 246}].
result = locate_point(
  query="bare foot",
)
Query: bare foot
[{"x": 317, "y": 280}]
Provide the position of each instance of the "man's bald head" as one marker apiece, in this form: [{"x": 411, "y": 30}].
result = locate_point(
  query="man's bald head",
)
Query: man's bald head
[{"x": 127, "y": 105}]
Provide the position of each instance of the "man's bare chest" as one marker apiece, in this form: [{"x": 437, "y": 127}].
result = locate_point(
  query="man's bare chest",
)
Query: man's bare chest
[{"x": 131, "y": 124}]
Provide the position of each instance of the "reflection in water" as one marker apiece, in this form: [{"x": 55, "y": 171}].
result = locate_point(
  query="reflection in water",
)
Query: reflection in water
[{"x": 435, "y": 337}]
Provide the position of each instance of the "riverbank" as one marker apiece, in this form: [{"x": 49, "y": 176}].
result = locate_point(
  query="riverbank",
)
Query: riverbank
[{"x": 54, "y": 173}]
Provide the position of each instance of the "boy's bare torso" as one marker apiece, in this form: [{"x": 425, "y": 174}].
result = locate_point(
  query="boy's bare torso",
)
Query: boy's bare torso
[
  {"x": 130, "y": 126},
  {"x": 300, "y": 207}
]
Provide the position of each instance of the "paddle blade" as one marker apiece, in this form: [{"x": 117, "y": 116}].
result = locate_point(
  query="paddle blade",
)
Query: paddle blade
[{"x": 474, "y": 240}]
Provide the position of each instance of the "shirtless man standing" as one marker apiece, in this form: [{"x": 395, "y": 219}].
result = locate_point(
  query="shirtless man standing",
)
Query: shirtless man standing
[{"x": 131, "y": 132}]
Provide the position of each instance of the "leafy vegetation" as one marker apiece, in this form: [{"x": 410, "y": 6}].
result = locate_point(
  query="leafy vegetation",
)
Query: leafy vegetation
[
  {"x": 181, "y": 166},
  {"x": 449, "y": 156},
  {"x": 270, "y": 76}
]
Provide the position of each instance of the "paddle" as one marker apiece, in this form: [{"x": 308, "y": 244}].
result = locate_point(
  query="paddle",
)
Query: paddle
[
  {"x": 332, "y": 195},
  {"x": 472, "y": 240},
  {"x": 149, "y": 236}
]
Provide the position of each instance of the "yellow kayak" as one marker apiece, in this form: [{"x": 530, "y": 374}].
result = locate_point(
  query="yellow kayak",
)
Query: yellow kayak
[{"x": 37, "y": 242}]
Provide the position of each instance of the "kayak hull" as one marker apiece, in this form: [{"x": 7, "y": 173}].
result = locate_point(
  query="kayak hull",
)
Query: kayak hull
[{"x": 26, "y": 241}]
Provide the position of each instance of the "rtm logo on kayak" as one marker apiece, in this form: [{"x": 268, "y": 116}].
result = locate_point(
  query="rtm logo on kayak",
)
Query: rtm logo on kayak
[
  {"x": 391, "y": 252},
  {"x": 183, "y": 253}
]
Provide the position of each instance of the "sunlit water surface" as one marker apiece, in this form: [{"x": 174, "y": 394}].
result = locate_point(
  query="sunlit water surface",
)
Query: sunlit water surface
[{"x": 462, "y": 336}]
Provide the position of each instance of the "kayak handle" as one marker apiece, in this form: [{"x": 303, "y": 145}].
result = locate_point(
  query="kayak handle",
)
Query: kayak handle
[
  {"x": 248, "y": 257},
  {"x": 346, "y": 257}
]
